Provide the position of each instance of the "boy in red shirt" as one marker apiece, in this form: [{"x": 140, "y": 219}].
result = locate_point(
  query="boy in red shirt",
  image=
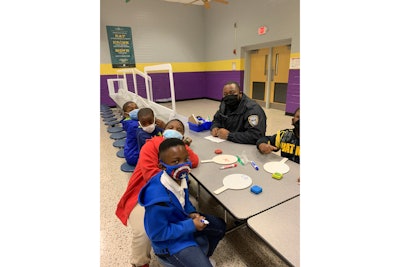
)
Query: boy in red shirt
[{"x": 128, "y": 209}]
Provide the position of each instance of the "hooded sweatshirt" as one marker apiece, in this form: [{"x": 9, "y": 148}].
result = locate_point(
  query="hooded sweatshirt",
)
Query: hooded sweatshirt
[
  {"x": 146, "y": 168},
  {"x": 166, "y": 222}
]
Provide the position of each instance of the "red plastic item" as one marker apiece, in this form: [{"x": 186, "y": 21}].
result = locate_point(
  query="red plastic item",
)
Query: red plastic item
[{"x": 218, "y": 151}]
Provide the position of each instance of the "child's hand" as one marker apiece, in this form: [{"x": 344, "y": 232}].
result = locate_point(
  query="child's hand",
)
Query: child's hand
[
  {"x": 198, "y": 223},
  {"x": 266, "y": 148},
  {"x": 160, "y": 123},
  {"x": 194, "y": 215},
  {"x": 187, "y": 140}
]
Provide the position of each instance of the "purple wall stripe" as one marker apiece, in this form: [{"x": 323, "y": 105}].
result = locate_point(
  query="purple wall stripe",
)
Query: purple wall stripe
[
  {"x": 194, "y": 85},
  {"x": 217, "y": 79},
  {"x": 293, "y": 91}
]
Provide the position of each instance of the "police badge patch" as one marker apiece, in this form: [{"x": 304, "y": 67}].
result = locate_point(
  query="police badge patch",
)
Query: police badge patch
[{"x": 253, "y": 120}]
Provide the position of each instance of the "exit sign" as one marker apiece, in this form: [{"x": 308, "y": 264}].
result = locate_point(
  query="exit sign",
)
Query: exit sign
[{"x": 262, "y": 30}]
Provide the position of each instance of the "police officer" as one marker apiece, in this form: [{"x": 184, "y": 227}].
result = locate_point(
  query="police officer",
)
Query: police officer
[{"x": 239, "y": 118}]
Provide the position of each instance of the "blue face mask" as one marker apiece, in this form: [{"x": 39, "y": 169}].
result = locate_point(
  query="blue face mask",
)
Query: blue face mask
[
  {"x": 133, "y": 114},
  {"x": 172, "y": 134},
  {"x": 178, "y": 172}
]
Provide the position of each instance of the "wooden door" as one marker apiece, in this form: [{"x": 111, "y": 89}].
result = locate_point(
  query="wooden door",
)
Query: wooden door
[
  {"x": 275, "y": 63},
  {"x": 279, "y": 73},
  {"x": 258, "y": 73}
]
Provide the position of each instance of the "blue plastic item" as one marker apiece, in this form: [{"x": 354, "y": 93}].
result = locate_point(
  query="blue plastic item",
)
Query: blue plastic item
[
  {"x": 256, "y": 189},
  {"x": 200, "y": 127}
]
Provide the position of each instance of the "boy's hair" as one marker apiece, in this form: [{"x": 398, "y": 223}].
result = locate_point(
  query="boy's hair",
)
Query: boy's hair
[
  {"x": 167, "y": 143},
  {"x": 125, "y": 106},
  {"x": 183, "y": 126},
  {"x": 144, "y": 112}
]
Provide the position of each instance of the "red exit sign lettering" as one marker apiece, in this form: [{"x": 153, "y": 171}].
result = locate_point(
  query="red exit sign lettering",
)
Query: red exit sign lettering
[{"x": 262, "y": 30}]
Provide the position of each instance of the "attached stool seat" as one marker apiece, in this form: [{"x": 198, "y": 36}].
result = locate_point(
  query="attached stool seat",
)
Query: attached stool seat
[
  {"x": 111, "y": 123},
  {"x": 106, "y": 111},
  {"x": 119, "y": 143},
  {"x": 127, "y": 167},
  {"x": 119, "y": 135},
  {"x": 104, "y": 108},
  {"x": 114, "y": 129},
  {"x": 120, "y": 153},
  {"x": 110, "y": 119},
  {"x": 108, "y": 115},
  {"x": 201, "y": 240}
]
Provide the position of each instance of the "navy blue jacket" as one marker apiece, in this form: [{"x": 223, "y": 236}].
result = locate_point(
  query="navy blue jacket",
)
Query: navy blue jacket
[{"x": 142, "y": 136}]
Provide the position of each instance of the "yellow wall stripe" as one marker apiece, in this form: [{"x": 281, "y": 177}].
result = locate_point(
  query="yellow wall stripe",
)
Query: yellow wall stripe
[
  {"x": 295, "y": 55},
  {"x": 221, "y": 65}
]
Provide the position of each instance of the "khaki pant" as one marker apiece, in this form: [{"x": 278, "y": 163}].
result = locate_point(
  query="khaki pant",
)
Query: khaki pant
[{"x": 141, "y": 245}]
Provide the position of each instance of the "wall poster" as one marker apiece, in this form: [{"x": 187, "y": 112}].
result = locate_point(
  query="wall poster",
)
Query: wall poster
[{"x": 121, "y": 46}]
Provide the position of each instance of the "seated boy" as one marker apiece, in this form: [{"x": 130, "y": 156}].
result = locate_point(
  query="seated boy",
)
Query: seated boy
[
  {"x": 130, "y": 125},
  {"x": 147, "y": 126},
  {"x": 128, "y": 210},
  {"x": 171, "y": 222},
  {"x": 288, "y": 141}
]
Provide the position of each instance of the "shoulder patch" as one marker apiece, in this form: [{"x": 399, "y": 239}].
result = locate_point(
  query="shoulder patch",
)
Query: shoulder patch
[{"x": 253, "y": 120}]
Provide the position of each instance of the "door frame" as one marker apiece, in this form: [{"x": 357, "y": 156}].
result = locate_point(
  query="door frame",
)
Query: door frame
[{"x": 246, "y": 50}]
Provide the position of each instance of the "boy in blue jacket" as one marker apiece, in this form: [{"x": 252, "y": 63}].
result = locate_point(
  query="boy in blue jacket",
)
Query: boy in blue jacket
[
  {"x": 171, "y": 221},
  {"x": 130, "y": 125}
]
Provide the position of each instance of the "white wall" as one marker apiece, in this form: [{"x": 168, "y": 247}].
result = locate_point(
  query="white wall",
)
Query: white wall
[
  {"x": 161, "y": 31},
  {"x": 172, "y": 32},
  {"x": 282, "y": 17}
]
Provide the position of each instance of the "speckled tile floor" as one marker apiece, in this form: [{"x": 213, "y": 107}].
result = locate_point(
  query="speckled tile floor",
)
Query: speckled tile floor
[{"x": 239, "y": 248}]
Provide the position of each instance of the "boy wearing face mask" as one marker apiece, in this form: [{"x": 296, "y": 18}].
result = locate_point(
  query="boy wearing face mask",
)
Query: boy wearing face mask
[
  {"x": 288, "y": 141},
  {"x": 128, "y": 210},
  {"x": 174, "y": 129},
  {"x": 239, "y": 118},
  {"x": 147, "y": 126},
  {"x": 170, "y": 219}
]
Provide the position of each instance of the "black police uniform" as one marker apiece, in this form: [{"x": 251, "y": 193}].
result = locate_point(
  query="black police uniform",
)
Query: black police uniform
[{"x": 246, "y": 124}]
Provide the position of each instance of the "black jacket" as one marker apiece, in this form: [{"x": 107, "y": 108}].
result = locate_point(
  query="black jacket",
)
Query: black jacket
[
  {"x": 246, "y": 124},
  {"x": 286, "y": 141}
]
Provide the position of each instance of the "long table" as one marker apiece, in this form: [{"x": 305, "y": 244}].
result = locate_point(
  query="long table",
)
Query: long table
[
  {"x": 280, "y": 228},
  {"x": 243, "y": 204}
]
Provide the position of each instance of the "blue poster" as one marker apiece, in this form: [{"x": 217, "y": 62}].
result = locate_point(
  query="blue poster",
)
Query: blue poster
[{"x": 121, "y": 46}]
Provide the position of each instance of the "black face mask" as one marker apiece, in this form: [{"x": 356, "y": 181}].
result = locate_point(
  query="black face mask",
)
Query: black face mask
[
  {"x": 297, "y": 124},
  {"x": 231, "y": 100},
  {"x": 297, "y": 127}
]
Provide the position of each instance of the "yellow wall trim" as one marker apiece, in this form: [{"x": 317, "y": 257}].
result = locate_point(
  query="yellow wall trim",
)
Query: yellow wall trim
[
  {"x": 221, "y": 65},
  {"x": 295, "y": 55}
]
